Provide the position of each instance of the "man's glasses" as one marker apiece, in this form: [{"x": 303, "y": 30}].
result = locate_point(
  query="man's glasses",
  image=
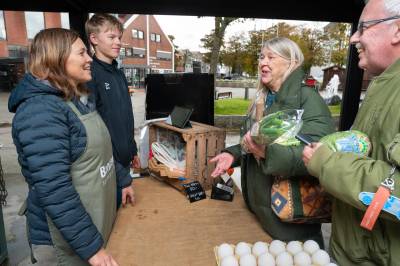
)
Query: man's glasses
[{"x": 369, "y": 23}]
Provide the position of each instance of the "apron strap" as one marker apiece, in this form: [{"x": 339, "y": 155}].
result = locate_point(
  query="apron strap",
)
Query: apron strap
[{"x": 73, "y": 107}]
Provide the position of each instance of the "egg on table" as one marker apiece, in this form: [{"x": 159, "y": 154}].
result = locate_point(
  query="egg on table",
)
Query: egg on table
[
  {"x": 276, "y": 247},
  {"x": 242, "y": 248},
  {"x": 224, "y": 250},
  {"x": 259, "y": 248}
]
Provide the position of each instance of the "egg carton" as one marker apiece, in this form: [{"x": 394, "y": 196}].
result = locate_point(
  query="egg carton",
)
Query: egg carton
[{"x": 275, "y": 253}]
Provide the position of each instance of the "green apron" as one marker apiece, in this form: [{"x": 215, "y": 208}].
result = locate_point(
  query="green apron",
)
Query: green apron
[{"x": 93, "y": 176}]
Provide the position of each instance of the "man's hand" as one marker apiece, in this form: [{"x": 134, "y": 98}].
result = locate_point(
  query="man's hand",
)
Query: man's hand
[
  {"x": 128, "y": 196},
  {"x": 102, "y": 258},
  {"x": 136, "y": 162},
  {"x": 309, "y": 150}
]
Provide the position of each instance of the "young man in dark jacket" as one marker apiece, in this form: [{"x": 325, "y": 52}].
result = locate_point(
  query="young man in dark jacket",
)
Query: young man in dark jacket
[{"x": 110, "y": 89}]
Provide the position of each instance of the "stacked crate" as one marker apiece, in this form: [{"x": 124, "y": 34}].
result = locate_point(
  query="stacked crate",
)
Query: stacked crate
[{"x": 203, "y": 142}]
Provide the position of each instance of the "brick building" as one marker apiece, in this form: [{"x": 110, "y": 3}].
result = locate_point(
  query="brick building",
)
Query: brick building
[
  {"x": 17, "y": 29},
  {"x": 145, "y": 48}
]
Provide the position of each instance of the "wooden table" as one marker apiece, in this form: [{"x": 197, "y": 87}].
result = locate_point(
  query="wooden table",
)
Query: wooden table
[{"x": 164, "y": 228}]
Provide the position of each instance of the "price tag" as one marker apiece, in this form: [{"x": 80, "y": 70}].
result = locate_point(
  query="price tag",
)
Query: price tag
[
  {"x": 372, "y": 213},
  {"x": 194, "y": 191},
  {"x": 378, "y": 201}
]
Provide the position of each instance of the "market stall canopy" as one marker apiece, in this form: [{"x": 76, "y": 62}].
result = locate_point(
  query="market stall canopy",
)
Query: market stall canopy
[
  {"x": 334, "y": 11},
  {"x": 338, "y": 11}
]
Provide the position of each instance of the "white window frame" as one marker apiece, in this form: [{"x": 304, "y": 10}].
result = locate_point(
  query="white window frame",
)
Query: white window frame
[
  {"x": 35, "y": 25},
  {"x": 3, "y": 32}
]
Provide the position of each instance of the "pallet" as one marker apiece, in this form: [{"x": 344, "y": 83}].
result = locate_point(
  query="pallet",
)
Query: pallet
[{"x": 202, "y": 142}]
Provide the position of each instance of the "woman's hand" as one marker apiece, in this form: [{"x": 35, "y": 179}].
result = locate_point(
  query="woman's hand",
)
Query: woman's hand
[
  {"x": 102, "y": 258},
  {"x": 224, "y": 162},
  {"x": 251, "y": 147},
  {"x": 309, "y": 150}
]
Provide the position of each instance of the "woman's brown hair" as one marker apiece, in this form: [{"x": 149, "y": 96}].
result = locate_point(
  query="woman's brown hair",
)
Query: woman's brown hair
[{"x": 48, "y": 55}]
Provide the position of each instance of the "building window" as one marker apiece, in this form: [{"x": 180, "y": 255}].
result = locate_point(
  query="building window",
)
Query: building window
[
  {"x": 65, "y": 20},
  {"x": 17, "y": 51},
  {"x": 128, "y": 52},
  {"x": 34, "y": 23},
  {"x": 138, "y": 52},
  {"x": 3, "y": 35},
  {"x": 137, "y": 34},
  {"x": 167, "y": 56},
  {"x": 135, "y": 52},
  {"x": 122, "y": 52},
  {"x": 155, "y": 37}
]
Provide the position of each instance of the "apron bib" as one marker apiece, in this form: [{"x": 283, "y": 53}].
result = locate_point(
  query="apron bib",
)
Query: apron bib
[{"x": 93, "y": 176}]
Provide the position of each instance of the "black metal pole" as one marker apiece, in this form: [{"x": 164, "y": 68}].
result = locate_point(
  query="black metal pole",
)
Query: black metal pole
[
  {"x": 352, "y": 90},
  {"x": 77, "y": 23}
]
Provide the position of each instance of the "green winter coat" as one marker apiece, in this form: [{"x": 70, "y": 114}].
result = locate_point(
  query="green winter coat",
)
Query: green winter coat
[
  {"x": 346, "y": 175},
  {"x": 257, "y": 178}
]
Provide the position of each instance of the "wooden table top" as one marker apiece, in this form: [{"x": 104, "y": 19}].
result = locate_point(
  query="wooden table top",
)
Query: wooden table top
[{"x": 164, "y": 228}]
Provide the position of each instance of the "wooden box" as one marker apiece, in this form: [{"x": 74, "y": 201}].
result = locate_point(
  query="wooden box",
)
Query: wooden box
[{"x": 202, "y": 142}]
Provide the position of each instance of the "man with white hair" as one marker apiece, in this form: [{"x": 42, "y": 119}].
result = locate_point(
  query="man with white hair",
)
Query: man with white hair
[{"x": 363, "y": 235}]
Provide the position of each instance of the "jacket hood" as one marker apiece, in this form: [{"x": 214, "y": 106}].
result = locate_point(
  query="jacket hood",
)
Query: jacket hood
[{"x": 27, "y": 88}]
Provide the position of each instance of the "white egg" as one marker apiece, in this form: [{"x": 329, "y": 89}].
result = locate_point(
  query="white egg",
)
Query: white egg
[
  {"x": 242, "y": 248},
  {"x": 302, "y": 259},
  {"x": 276, "y": 247},
  {"x": 320, "y": 257},
  {"x": 331, "y": 264},
  {"x": 266, "y": 259},
  {"x": 310, "y": 246},
  {"x": 248, "y": 260},
  {"x": 229, "y": 261},
  {"x": 294, "y": 247},
  {"x": 224, "y": 250},
  {"x": 284, "y": 259},
  {"x": 259, "y": 248}
]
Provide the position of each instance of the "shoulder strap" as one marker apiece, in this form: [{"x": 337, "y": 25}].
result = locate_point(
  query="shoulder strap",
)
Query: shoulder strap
[{"x": 73, "y": 107}]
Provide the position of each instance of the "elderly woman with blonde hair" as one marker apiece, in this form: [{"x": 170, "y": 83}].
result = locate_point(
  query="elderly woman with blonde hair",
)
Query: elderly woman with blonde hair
[{"x": 281, "y": 87}]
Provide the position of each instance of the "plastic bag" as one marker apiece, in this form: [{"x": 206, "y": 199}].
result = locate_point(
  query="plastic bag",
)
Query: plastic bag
[
  {"x": 280, "y": 127},
  {"x": 348, "y": 141}
]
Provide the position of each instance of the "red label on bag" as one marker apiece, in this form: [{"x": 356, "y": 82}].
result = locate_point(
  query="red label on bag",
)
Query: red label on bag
[{"x": 372, "y": 213}]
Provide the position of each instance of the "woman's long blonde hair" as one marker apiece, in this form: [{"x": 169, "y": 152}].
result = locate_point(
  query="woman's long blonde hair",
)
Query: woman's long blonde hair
[
  {"x": 48, "y": 55},
  {"x": 286, "y": 49}
]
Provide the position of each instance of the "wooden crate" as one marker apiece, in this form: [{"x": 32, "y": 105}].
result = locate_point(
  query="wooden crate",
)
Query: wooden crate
[{"x": 202, "y": 143}]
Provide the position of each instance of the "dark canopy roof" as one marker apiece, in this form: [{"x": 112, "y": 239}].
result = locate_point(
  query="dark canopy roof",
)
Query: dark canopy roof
[
  {"x": 313, "y": 10},
  {"x": 338, "y": 11}
]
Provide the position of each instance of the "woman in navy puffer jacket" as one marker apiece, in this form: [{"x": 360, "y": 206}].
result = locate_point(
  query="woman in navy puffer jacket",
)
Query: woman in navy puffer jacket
[{"x": 59, "y": 162}]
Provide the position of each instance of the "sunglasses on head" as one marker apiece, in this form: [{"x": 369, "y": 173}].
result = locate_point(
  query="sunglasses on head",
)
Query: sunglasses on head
[{"x": 369, "y": 23}]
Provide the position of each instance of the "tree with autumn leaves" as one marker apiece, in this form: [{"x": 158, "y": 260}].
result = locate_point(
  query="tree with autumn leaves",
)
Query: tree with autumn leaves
[{"x": 320, "y": 47}]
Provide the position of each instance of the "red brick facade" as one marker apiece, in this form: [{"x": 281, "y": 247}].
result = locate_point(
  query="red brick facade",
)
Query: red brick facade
[
  {"x": 152, "y": 49},
  {"x": 16, "y": 33},
  {"x": 52, "y": 20},
  {"x": 157, "y": 55}
]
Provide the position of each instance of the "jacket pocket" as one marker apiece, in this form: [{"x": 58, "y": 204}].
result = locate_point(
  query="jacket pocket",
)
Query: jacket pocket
[{"x": 393, "y": 150}]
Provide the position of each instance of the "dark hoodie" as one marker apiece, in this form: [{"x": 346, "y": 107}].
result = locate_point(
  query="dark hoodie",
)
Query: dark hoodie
[
  {"x": 49, "y": 137},
  {"x": 113, "y": 102}
]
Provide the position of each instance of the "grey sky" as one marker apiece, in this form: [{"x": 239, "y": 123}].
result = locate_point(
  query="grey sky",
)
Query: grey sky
[{"x": 188, "y": 30}]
